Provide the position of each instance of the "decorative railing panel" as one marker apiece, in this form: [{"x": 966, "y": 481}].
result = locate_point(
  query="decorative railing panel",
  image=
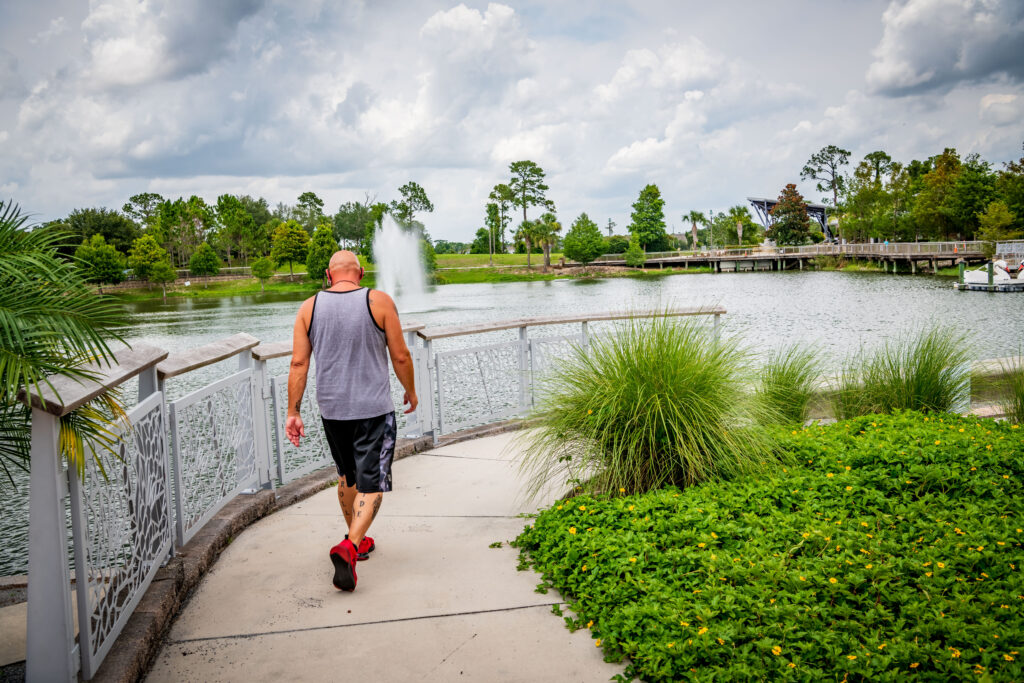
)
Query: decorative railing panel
[
  {"x": 480, "y": 384},
  {"x": 122, "y": 530},
  {"x": 213, "y": 449},
  {"x": 314, "y": 452}
]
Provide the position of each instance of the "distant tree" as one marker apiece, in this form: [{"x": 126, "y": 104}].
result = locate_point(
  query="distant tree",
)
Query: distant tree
[
  {"x": 100, "y": 262},
  {"x": 288, "y": 245},
  {"x": 145, "y": 253},
  {"x": 825, "y": 166},
  {"x": 318, "y": 255},
  {"x": 616, "y": 244},
  {"x": 503, "y": 197},
  {"x": 142, "y": 208},
  {"x": 117, "y": 230},
  {"x": 997, "y": 225},
  {"x": 447, "y": 247},
  {"x": 634, "y": 255},
  {"x": 352, "y": 221},
  {"x": 204, "y": 263},
  {"x": 257, "y": 208},
  {"x": 546, "y": 232},
  {"x": 235, "y": 223},
  {"x": 648, "y": 218},
  {"x": 163, "y": 273},
  {"x": 482, "y": 243},
  {"x": 283, "y": 212},
  {"x": 428, "y": 256},
  {"x": 933, "y": 204},
  {"x": 262, "y": 270},
  {"x": 610, "y": 227},
  {"x": 880, "y": 164},
  {"x": 973, "y": 191},
  {"x": 1010, "y": 186},
  {"x": 695, "y": 217},
  {"x": 583, "y": 242},
  {"x": 414, "y": 199},
  {"x": 790, "y": 222},
  {"x": 493, "y": 223},
  {"x": 377, "y": 212},
  {"x": 528, "y": 189},
  {"x": 738, "y": 227},
  {"x": 309, "y": 211},
  {"x": 182, "y": 226}
]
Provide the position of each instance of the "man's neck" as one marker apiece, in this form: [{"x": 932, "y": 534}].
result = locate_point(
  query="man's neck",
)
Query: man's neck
[{"x": 344, "y": 286}]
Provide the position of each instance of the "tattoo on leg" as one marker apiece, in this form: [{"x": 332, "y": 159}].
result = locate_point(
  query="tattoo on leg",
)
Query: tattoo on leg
[
  {"x": 376, "y": 506},
  {"x": 362, "y": 503},
  {"x": 359, "y": 514}
]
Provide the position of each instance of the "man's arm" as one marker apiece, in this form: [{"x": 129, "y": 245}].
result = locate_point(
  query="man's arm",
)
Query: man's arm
[
  {"x": 401, "y": 359},
  {"x": 297, "y": 371}
]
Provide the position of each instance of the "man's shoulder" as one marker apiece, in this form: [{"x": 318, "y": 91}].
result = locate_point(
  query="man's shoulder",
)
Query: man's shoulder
[{"x": 379, "y": 297}]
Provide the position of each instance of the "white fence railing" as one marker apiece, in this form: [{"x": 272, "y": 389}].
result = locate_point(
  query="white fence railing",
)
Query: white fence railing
[
  {"x": 182, "y": 460},
  {"x": 878, "y": 249}
]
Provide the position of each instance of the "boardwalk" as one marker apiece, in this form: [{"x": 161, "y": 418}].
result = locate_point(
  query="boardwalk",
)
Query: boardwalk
[{"x": 434, "y": 602}]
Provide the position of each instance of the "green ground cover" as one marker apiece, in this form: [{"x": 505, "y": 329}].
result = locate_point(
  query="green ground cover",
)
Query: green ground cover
[
  {"x": 882, "y": 547},
  {"x": 476, "y": 260}
]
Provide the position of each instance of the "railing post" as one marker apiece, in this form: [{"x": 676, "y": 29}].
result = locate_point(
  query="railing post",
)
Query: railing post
[
  {"x": 585, "y": 333},
  {"x": 260, "y": 397},
  {"x": 717, "y": 329},
  {"x": 50, "y": 651},
  {"x": 524, "y": 369},
  {"x": 433, "y": 416}
]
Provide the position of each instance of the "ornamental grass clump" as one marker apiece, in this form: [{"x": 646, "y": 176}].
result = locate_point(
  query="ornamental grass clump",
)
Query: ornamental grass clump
[
  {"x": 1013, "y": 389},
  {"x": 787, "y": 382},
  {"x": 660, "y": 401},
  {"x": 928, "y": 371}
]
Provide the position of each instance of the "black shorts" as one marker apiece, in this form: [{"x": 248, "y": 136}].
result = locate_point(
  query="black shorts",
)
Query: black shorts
[{"x": 363, "y": 451}]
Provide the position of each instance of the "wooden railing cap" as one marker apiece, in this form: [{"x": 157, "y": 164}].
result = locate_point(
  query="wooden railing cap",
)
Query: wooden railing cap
[
  {"x": 214, "y": 352},
  {"x": 67, "y": 394}
]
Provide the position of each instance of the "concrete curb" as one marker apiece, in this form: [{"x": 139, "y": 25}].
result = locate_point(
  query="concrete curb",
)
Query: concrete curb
[{"x": 137, "y": 646}]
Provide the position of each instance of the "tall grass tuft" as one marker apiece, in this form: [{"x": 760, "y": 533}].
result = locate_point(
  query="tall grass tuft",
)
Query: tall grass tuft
[
  {"x": 927, "y": 371},
  {"x": 787, "y": 382},
  {"x": 660, "y": 401},
  {"x": 1013, "y": 389}
]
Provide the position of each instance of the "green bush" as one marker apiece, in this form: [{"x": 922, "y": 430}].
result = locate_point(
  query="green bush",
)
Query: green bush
[
  {"x": 787, "y": 383},
  {"x": 660, "y": 401},
  {"x": 927, "y": 371},
  {"x": 634, "y": 255},
  {"x": 890, "y": 547}
]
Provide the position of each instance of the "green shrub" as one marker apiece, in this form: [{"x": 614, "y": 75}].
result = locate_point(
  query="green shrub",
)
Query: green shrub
[
  {"x": 927, "y": 371},
  {"x": 892, "y": 549},
  {"x": 787, "y": 382},
  {"x": 634, "y": 255},
  {"x": 1013, "y": 389},
  {"x": 660, "y": 401}
]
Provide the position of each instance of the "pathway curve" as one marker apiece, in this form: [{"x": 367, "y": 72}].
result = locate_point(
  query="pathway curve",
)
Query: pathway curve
[{"x": 433, "y": 603}]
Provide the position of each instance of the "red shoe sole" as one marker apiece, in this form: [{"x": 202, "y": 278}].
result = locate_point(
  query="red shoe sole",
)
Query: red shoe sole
[{"x": 344, "y": 573}]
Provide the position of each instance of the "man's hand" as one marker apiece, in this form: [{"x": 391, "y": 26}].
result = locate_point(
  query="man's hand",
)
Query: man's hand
[
  {"x": 411, "y": 401},
  {"x": 293, "y": 429}
]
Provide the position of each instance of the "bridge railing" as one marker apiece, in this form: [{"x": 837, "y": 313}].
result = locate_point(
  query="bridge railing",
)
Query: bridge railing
[{"x": 879, "y": 249}]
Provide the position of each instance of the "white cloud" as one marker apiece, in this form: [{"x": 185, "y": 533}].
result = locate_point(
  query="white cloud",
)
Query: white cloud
[
  {"x": 1001, "y": 109},
  {"x": 57, "y": 26},
  {"x": 935, "y": 44}
]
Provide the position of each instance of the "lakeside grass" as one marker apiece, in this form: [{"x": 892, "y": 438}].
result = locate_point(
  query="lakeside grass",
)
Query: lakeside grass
[{"x": 477, "y": 260}]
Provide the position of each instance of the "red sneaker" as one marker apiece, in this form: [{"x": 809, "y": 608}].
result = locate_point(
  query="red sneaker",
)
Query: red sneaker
[
  {"x": 344, "y": 557},
  {"x": 366, "y": 547}
]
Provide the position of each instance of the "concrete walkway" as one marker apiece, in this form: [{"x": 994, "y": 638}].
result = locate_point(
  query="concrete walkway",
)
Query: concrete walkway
[{"x": 433, "y": 602}]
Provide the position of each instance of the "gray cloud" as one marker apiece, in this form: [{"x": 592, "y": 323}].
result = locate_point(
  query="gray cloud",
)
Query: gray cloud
[
  {"x": 11, "y": 84},
  {"x": 936, "y": 44}
]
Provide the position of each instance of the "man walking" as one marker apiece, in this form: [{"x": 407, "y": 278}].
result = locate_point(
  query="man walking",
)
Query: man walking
[{"x": 349, "y": 330}]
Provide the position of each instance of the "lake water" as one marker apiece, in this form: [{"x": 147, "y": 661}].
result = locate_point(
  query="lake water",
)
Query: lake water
[{"x": 838, "y": 312}]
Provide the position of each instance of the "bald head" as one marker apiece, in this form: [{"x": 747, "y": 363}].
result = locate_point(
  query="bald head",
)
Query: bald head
[{"x": 344, "y": 265}]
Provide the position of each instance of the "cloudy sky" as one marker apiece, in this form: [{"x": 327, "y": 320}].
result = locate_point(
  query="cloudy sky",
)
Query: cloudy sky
[{"x": 714, "y": 102}]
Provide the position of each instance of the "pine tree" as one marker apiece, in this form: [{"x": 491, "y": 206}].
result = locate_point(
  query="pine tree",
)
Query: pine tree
[{"x": 583, "y": 242}]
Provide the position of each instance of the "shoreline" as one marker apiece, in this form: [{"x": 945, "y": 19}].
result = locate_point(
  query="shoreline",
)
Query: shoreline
[{"x": 248, "y": 286}]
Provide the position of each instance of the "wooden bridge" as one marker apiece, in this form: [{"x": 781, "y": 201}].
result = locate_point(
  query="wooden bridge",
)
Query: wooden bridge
[{"x": 910, "y": 255}]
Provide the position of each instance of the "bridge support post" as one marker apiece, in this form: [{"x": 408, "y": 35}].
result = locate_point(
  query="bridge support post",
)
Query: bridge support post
[{"x": 913, "y": 267}]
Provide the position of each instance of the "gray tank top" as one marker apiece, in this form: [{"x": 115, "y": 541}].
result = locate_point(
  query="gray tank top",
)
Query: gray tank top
[{"x": 350, "y": 353}]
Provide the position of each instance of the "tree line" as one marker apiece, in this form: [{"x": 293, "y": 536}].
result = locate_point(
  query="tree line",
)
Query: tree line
[{"x": 152, "y": 237}]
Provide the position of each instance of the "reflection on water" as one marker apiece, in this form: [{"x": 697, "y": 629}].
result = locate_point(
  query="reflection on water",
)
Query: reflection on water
[{"x": 838, "y": 312}]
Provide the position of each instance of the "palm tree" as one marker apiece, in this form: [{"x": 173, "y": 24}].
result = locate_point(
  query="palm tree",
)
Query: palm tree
[
  {"x": 51, "y": 323},
  {"x": 695, "y": 217},
  {"x": 548, "y": 228}
]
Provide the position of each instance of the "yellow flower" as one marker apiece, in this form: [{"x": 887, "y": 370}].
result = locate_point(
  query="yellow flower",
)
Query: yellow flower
[
  {"x": 882, "y": 645},
  {"x": 1006, "y": 476},
  {"x": 849, "y": 488},
  {"x": 671, "y": 645},
  {"x": 622, "y": 490},
  {"x": 559, "y": 507},
  {"x": 771, "y": 600},
  {"x": 868, "y": 566},
  {"x": 684, "y": 623},
  {"x": 584, "y": 567},
  {"x": 597, "y": 643},
  {"x": 776, "y": 650},
  {"x": 794, "y": 431},
  {"x": 832, "y": 580},
  {"x": 851, "y": 657},
  {"x": 830, "y": 475},
  {"x": 631, "y": 507},
  {"x": 583, "y": 507},
  {"x": 866, "y": 552},
  {"x": 702, "y": 631},
  {"x": 572, "y": 530},
  {"x": 863, "y": 523},
  {"x": 632, "y": 559},
  {"x": 721, "y": 642},
  {"x": 700, "y": 545},
  {"x": 792, "y": 665},
  {"x": 714, "y": 535},
  {"x": 805, "y": 534},
  {"x": 937, "y": 442},
  {"x": 1008, "y": 658},
  {"x": 802, "y": 578},
  {"x": 914, "y": 665},
  {"x": 590, "y": 623},
  {"x": 589, "y": 411},
  {"x": 928, "y": 574},
  {"x": 847, "y": 468},
  {"x": 940, "y": 565}
]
